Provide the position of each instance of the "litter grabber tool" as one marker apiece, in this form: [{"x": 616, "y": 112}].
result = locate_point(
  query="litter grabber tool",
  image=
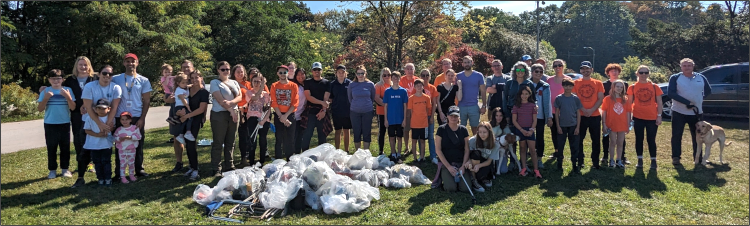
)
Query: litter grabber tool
[{"x": 473, "y": 199}]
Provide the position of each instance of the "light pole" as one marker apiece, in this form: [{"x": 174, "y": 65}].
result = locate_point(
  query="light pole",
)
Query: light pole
[
  {"x": 538, "y": 28},
  {"x": 593, "y": 64}
]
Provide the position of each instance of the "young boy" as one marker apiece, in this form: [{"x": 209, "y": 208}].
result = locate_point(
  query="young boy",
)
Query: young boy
[
  {"x": 568, "y": 121},
  {"x": 395, "y": 100},
  {"x": 99, "y": 144},
  {"x": 58, "y": 101},
  {"x": 418, "y": 115}
]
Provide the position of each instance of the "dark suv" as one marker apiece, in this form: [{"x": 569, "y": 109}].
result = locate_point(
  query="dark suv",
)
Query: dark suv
[{"x": 729, "y": 91}]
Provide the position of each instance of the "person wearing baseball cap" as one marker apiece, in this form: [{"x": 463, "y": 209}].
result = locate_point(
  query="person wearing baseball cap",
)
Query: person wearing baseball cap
[
  {"x": 284, "y": 101},
  {"x": 315, "y": 114},
  {"x": 136, "y": 97},
  {"x": 98, "y": 145},
  {"x": 527, "y": 59},
  {"x": 451, "y": 147},
  {"x": 591, "y": 93},
  {"x": 339, "y": 100}
]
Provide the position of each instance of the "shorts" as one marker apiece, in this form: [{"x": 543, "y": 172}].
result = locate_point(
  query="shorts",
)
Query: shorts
[
  {"x": 470, "y": 113},
  {"x": 520, "y": 135},
  {"x": 342, "y": 123},
  {"x": 395, "y": 131},
  {"x": 419, "y": 134}
]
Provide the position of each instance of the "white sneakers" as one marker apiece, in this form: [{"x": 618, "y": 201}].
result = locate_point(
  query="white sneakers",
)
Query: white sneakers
[
  {"x": 189, "y": 136},
  {"x": 193, "y": 174},
  {"x": 434, "y": 161},
  {"x": 181, "y": 139},
  {"x": 66, "y": 173}
]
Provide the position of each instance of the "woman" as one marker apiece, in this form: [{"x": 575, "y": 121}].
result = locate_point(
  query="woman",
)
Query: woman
[
  {"x": 555, "y": 89},
  {"x": 361, "y": 94},
  {"x": 452, "y": 147},
  {"x": 258, "y": 112},
  {"x": 199, "y": 103},
  {"x": 647, "y": 108},
  {"x": 224, "y": 118},
  {"x": 243, "y": 131},
  {"x": 380, "y": 87},
  {"x": 520, "y": 74},
  {"x": 447, "y": 91},
  {"x": 500, "y": 128},
  {"x": 544, "y": 114},
  {"x": 299, "y": 79},
  {"x": 484, "y": 151}
]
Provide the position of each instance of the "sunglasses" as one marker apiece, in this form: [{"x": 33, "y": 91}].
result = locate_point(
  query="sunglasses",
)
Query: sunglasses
[
  {"x": 283, "y": 72},
  {"x": 424, "y": 75},
  {"x": 539, "y": 72},
  {"x": 520, "y": 70},
  {"x": 224, "y": 69},
  {"x": 105, "y": 73},
  {"x": 495, "y": 65},
  {"x": 385, "y": 75},
  {"x": 317, "y": 69},
  {"x": 360, "y": 74},
  {"x": 557, "y": 65},
  {"x": 643, "y": 72}
]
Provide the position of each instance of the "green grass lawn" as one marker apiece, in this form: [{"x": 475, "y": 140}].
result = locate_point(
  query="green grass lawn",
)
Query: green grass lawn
[{"x": 716, "y": 194}]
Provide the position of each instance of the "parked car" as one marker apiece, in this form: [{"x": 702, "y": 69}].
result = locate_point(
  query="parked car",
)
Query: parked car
[
  {"x": 574, "y": 76},
  {"x": 729, "y": 91}
]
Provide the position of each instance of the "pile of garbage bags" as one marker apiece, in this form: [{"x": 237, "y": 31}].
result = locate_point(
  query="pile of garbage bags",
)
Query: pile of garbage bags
[{"x": 328, "y": 179}]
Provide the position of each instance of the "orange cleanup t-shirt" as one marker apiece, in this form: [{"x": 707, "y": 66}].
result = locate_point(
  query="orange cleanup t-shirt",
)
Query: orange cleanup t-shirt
[
  {"x": 587, "y": 91},
  {"x": 380, "y": 91},
  {"x": 284, "y": 96},
  {"x": 243, "y": 87},
  {"x": 439, "y": 80},
  {"x": 644, "y": 100},
  {"x": 420, "y": 107},
  {"x": 407, "y": 84},
  {"x": 617, "y": 114}
]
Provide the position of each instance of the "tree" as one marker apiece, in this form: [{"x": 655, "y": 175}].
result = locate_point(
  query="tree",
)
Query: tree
[
  {"x": 482, "y": 60},
  {"x": 508, "y": 47}
]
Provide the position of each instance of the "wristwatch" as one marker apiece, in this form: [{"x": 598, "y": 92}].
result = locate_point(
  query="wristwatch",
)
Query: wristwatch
[{"x": 659, "y": 115}]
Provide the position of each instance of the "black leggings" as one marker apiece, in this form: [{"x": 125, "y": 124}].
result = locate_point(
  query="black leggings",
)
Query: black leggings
[
  {"x": 381, "y": 132},
  {"x": 651, "y": 127},
  {"x": 191, "y": 147}
]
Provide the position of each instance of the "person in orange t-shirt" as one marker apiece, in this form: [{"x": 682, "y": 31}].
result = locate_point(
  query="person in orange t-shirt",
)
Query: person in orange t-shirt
[
  {"x": 380, "y": 87},
  {"x": 284, "y": 103},
  {"x": 647, "y": 108},
  {"x": 418, "y": 114},
  {"x": 243, "y": 131},
  {"x": 447, "y": 64},
  {"x": 591, "y": 93},
  {"x": 616, "y": 114},
  {"x": 407, "y": 82},
  {"x": 431, "y": 91}
]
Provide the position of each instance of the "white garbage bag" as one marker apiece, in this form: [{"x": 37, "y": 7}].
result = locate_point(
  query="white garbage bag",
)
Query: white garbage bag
[
  {"x": 203, "y": 194},
  {"x": 317, "y": 174},
  {"x": 384, "y": 161},
  {"x": 369, "y": 176},
  {"x": 298, "y": 163},
  {"x": 284, "y": 174},
  {"x": 312, "y": 200},
  {"x": 336, "y": 204},
  {"x": 399, "y": 182},
  {"x": 316, "y": 152},
  {"x": 279, "y": 193},
  {"x": 413, "y": 173},
  {"x": 360, "y": 160}
]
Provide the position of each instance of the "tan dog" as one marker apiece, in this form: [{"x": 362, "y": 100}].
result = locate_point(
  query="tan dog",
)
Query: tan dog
[{"x": 708, "y": 134}]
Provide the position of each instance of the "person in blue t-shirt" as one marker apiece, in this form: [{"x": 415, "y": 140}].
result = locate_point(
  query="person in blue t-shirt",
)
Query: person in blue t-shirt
[
  {"x": 337, "y": 93},
  {"x": 57, "y": 101},
  {"x": 470, "y": 84},
  {"x": 395, "y": 100}
]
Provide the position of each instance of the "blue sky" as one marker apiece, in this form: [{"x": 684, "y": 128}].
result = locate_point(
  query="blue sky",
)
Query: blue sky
[{"x": 515, "y": 7}]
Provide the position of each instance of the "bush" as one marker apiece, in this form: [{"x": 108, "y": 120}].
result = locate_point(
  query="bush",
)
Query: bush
[
  {"x": 17, "y": 101},
  {"x": 630, "y": 67}
]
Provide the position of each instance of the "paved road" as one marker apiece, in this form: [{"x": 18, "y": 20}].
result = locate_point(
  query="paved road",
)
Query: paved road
[{"x": 17, "y": 136}]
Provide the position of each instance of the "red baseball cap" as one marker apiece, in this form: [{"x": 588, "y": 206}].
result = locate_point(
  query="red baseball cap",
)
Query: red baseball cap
[
  {"x": 125, "y": 113},
  {"x": 282, "y": 66},
  {"x": 130, "y": 55}
]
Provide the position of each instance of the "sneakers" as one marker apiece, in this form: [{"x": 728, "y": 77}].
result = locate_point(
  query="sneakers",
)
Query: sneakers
[
  {"x": 101, "y": 183},
  {"x": 435, "y": 161},
  {"x": 620, "y": 164},
  {"x": 653, "y": 163},
  {"x": 52, "y": 174},
  {"x": 189, "y": 136},
  {"x": 676, "y": 161},
  {"x": 90, "y": 168},
  {"x": 476, "y": 186},
  {"x": 194, "y": 175},
  {"x": 177, "y": 167},
  {"x": 124, "y": 180},
  {"x": 189, "y": 172},
  {"x": 576, "y": 170},
  {"x": 523, "y": 172},
  {"x": 603, "y": 161},
  {"x": 640, "y": 163},
  {"x": 66, "y": 173},
  {"x": 559, "y": 163},
  {"x": 79, "y": 183},
  {"x": 625, "y": 160},
  {"x": 132, "y": 178},
  {"x": 611, "y": 163},
  {"x": 539, "y": 163},
  {"x": 108, "y": 183},
  {"x": 537, "y": 174},
  {"x": 181, "y": 139},
  {"x": 487, "y": 183}
]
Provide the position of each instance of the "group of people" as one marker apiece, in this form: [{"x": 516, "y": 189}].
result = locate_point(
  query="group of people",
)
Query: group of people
[{"x": 520, "y": 106}]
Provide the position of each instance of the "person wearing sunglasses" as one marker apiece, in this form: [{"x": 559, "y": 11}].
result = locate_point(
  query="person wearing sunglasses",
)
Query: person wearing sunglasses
[
  {"x": 520, "y": 77},
  {"x": 337, "y": 93},
  {"x": 238, "y": 73},
  {"x": 647, "y": 108},
  {"x": 613, "y": 72},
  {"x": 544, "y": 108},
  {"x": 380, "y": 88},
  {"x": 496, "y": 85},
  {"x": 315, "y": 115},
  {"x": 284, "y": 102},
  {"x": 224, "y": 117},
  {"x": 556, "y": 88},
  {"x": 361, "y": 95},
  {"x": 591, "y": 93}
]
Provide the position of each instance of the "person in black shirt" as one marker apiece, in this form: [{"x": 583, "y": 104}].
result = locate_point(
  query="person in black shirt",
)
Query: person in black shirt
[
  {"x": 315, "y": 109},
  {"x": 613, "y": 72},
  {"x": 452, "y": 147}
]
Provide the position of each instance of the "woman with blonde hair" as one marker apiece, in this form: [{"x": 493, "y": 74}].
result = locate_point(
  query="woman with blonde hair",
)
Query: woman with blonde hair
[
  {"x": 647, "y": 108},
  {"x": 83, "y": 73},
  {"x": 380, "y": 87},
  {"x": 616, "y": 116}
]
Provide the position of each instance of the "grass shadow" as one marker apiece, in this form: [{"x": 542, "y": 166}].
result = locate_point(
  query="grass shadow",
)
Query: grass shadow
[{"x": 702, "y": 177}]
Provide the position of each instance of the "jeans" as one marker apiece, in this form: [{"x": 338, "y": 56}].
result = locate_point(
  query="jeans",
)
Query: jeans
[
  {"x": 103, "y": 163},
  {"x": 594, "y": 125},
  {"x": 260, "y": 137},
  {"x": 569, "y": 133},
  {"x": 382, "y": 130},
  {"x": 651, "y": 127},
  {"x": 224, "y": 130},
  {"x": 313, "y": 124},
  {"x": 678, "y": 126},
  {"x": 298, "y": 132},
  {"x": 361, "y": 126},
  {"x": 138, "y": 150},
  {"x": 431, "y": 140},
  {"x": 284, "y": 137},
  {"x": 57, "y": 135}
]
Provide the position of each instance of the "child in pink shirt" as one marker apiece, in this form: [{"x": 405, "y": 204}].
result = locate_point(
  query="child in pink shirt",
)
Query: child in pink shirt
[{"x": 127, "y": 140}]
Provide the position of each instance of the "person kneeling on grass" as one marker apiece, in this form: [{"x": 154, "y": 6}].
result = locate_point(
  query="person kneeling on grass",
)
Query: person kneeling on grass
[
  {"x": 452, "y": 147},
  {"x": 484, "y": 151}
]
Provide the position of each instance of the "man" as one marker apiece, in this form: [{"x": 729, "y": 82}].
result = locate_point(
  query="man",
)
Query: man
[
  {"x": 315, "y": 114},
  {"x": 340, "y": 106},
  {"x": 613, "y": 72},
  {"x": 591, "y": 93},
  {"x": 136, "y": 97},
  {"x": 544, "y": 66},
  {"x": 407, "y": 82},
  {"x": 496, "y": 85},
  {"x": 446, "y": 64},
  {"x": 470, "y": 84},
  {"x": 687, "y": 90},
  {"x": 527, "y": 59}
]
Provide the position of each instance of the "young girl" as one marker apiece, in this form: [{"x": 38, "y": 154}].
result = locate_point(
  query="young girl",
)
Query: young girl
[
  {"x": 127, "y": 140},
  {"x": 616, "y": 115},
  {"x": 181, "y": 93},
  {"x": 500, "y": 128},
  {"x": 524, "y": 121},
  {"x": 167, "y": 80},
  {"x": 484, "y": 150}
]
